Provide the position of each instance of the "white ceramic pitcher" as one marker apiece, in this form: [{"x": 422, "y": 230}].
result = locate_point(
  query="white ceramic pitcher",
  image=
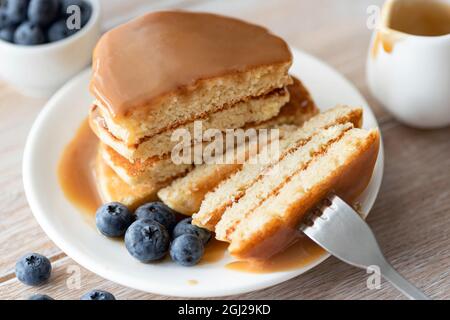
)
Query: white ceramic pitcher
[{"x": 410, "y": 74}]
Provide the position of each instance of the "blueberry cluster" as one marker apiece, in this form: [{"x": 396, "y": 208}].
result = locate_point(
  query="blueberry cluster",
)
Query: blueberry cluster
[
  {"x": 34, "y": 269},
  {"x": 153, "y": 231},
  {"x": 34, "y": 22}
]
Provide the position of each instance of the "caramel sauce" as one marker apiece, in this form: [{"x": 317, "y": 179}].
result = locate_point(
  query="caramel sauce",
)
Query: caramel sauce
[
  {"x": 420, "y": 17},
  {"x": 214, "y": 251},
  {"x": 383, "y": 40},
  {"x": 76, "y": 170},
  {"x": 301, "y": 253}
]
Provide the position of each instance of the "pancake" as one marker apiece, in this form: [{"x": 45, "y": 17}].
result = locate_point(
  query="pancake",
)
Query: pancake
[
  {"x": 231, "y": 190},
  {"x": 154, "y": 170},
  {"x": 274, "y": 177},
  {"x": 166, "y": 69},
  {"x": 113, "y": 189},
  {"x": 345, "y": 168},
  {"x": 298, "y": 110}
]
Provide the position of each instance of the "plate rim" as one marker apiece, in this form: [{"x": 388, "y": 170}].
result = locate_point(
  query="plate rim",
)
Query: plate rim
[{"x": 73, "y": 252}]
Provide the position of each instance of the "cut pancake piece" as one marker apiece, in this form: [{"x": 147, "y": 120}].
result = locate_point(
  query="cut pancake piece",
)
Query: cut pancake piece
[
  {"x": 345, "y": 169},
  {"x": 186, "y": 65},
  {"x": 276, "y": 176},
  {"x": 231, "y": 190},
  {"x": 113, "y": 189},
  {"x": 250, "y": 111},
  {"x": 155, "y": 170},
  {"x": 186, "y": 194}
]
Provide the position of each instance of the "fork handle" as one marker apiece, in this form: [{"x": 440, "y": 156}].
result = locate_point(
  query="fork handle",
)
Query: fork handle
[{"x": 396, "y": 279}]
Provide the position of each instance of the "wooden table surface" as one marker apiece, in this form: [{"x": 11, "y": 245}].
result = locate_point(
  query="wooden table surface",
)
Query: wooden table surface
[{"x": 411, "y": 217}]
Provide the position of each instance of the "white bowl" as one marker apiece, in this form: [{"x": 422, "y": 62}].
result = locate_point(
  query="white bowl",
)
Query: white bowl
[
  {"x": 76, "y": 234},
  {"x": 40, "y": 70}
]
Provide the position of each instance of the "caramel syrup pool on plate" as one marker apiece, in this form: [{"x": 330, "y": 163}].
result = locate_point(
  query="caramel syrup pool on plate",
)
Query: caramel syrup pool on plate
[
  {"x": 76, "y": 170},
  {"x": 301, "y": 253},
  {"x": 76, "y": 173}
]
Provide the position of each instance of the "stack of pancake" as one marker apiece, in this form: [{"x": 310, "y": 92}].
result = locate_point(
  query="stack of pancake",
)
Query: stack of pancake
[{"x": 163, "y": 72}]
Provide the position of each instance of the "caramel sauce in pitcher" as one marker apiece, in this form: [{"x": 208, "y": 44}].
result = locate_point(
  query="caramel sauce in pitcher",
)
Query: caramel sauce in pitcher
[
  {"x": 419, "y": 17},
  {"x": 429, "y": 18}
]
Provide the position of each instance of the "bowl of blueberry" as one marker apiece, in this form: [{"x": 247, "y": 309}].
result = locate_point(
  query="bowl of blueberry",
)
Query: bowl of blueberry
[{"x": 44, "y": 43}]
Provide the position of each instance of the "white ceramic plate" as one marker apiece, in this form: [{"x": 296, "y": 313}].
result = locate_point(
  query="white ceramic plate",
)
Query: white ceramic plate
[{"x": 68, "y": 228}]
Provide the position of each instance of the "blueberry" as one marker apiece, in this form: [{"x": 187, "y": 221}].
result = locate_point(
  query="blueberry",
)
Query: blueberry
[
  {"x": 113, "y": 219},
  {"x": 33, "y": 269},
  {"x": 85, "y": 10},
  {"x": 40, "y": 297},
  {"x": 187, "y": 250},
  {"x": 29, "y": 34},
  {"x": 16, "y": 10},
  {"x": 4, "y": 19},
  {"x": 159, "y": 212},
  {"x": 43, "y": 12},
  {"x": 98, "y": 295},
  {"x": 147, "y": 240},
  {"x": 59, "y": 31},
  {"x": 7, "y": 34},
  {"x": 185, "y": 226}
]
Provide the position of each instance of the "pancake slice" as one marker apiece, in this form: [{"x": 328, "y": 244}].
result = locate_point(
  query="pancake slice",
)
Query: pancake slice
[
  {"x": 232, "y": 189},
  {"x": 275, "y": 177},
  {"x": 345, "y": 168}
]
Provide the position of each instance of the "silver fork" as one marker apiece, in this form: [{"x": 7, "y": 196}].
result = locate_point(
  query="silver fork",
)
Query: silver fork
[{"x": 338, "y": 228}]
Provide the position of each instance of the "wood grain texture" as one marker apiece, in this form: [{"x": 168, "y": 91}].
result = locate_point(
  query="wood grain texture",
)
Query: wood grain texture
[{"x": 411, "y": 217}]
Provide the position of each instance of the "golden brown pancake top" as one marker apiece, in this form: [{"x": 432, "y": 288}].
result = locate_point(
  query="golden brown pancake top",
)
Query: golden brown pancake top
[{"x": 170, "y": 51}]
